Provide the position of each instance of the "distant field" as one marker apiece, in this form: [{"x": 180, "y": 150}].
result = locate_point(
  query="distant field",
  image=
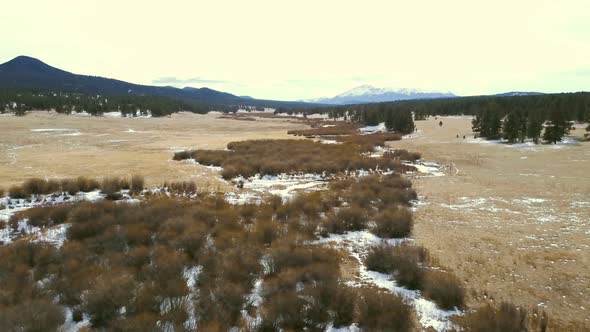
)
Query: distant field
[
  {"x": 513, "y": 222},
  {"x": 45, "y": 144}
]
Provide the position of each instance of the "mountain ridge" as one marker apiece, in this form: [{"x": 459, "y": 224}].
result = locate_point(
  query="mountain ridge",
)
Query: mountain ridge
[
  {"x": 369, "y": 94},
  {"x": 25, "y": 72}
]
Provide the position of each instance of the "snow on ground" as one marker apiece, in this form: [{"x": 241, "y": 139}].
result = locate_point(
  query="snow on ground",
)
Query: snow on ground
[
  {"x": 373, "y": 129},
  {"x": 211, "y": 168},
  {"x": 54, "y": 235},
  {"x": 416, "y": 134},
  {"x": 527, "y": 145},
  {"x": 254, "y": 300},
  {"x": 49, "y": 130},
  {"x": 70, "y": 326},
  {"x": 429, "y": 169},
  {"x": 191, "y": 276},
  {"x": 282, "y": 185},
  {"x": 358, "y": 244},
  {"x": 118, "y": 114}
]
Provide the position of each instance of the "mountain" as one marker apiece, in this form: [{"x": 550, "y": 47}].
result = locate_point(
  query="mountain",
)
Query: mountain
[
  {"x": 25, "y": 72},
  {"x": 370, "y": 94},
  {"x": 518, "y": 93}
]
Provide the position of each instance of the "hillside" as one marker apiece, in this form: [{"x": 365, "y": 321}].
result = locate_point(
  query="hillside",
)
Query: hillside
[{"x": 25, "y": 72}]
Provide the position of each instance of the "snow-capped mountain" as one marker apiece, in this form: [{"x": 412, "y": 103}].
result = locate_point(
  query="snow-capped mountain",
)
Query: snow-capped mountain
[{"x": 370, "y": 94}]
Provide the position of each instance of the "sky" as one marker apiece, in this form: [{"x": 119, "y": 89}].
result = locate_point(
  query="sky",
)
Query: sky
[{"x": 292, "y": 50}]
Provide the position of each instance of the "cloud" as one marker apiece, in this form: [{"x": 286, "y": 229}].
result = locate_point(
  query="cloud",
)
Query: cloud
[{"x": 189, "y": 81}]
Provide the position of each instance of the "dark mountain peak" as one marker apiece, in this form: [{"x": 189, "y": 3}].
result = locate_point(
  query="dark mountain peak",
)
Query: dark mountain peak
[
  {"x": 24, "y": 72},
  {"x": 24, "y": 65}
]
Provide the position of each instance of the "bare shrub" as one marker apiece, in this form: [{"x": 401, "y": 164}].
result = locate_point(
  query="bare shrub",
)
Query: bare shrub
[
  {"x": 402, "y": 154},
  {"x": 444, "y": 288},
  {"x": 137, "y": 184},
  {"x": 505, "y": 318},
  {"x": 86, "y": 184},
  {"x": 394, "y": 223},
  {"x": 346, "y": 219},
  {"x": 111, "y": 187},
  {"x": 380, "y": 311},
  {"x": 32, "y": 316},
  {"x": 70, "y": 186},
  {"x": 17, "y": 192},
  {"x": 343, "y": 305},
  {"x": 340, "y": 128},
  {"x": 103, "y": 302},
  {"x": 181, "y": 187},
  {"x": 2, "y": 192},
  {"x": 403, "y": 261},
  {"x": 182, "y": 155}
]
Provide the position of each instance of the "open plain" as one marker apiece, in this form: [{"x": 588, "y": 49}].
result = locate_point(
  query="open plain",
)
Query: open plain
[{"x": 513, "y": 222}]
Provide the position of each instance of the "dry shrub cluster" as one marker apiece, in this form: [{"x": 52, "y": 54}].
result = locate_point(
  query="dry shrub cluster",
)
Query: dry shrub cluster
[
  {"x": 393, "y": 222},
  {"x": 369, "y": 141},
  {"x": 408, "y": 264},
  {"x": 109, "y": 186},
  {"x": 380, "y": 311},
  {"x": 274, "y": 157},
  {"x": 328, "y": 129},
  {"x": 402, "y": 154},
  {"x": 137, "y": 257},
  {"x": 505, "y": 317},
  {"x": 181, "y": 187}
]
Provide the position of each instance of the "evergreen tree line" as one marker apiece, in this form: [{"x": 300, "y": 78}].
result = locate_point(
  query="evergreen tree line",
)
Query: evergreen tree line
[
  {"x": 20, "y": 101},
  {"x": 518, "y": 125},
  {"x": 575, "y": 106}
]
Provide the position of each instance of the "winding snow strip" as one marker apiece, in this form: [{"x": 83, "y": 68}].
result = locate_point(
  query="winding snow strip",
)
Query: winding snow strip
[{"x": 358, "y": 244}]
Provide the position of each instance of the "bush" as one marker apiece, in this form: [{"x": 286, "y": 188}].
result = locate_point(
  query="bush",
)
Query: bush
[
  {"x": 445, "y": 289},
  {"x": 403, "y": 261},
  {"x": 17, "y": 192},
  {"x": 346, "y": 219},
  {"x": 182, "y": 155},
  {"x": 87, "y": 185},
  {"x": 402, "y": 154},
  {"x": 32, "y": 316},
  {"x": 378, "y": 311},
  {"x": 1, "y": 192},
  {"x": 111, "y": 188},
  {"x": 137, "y": 184},
  {"x": 394, "y": 223},
  {"x": 506, "y": 318},
  {"x": 181, "y": 187}
]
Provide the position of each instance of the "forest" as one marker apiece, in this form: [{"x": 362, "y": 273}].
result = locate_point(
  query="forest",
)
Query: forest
[
  {"x": 21, "y": 101},
  {"x": 576, "y": 106}
]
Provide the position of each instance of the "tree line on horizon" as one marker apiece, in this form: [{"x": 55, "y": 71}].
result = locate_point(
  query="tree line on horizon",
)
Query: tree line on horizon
[
  {"x": 20, "y": 101},
  {"x": 513, "y": 118}
]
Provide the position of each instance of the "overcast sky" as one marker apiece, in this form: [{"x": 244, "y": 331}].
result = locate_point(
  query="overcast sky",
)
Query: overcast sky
[{"x": 303, "y": 49}]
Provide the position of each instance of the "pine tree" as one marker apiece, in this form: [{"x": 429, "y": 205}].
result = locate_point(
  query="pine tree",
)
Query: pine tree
[
  {"x": 511, "y": 127},
  {"x": 399, "y": 121},
  {"x": 557, "y": 127},
  {"x": 534, "y": 126}
]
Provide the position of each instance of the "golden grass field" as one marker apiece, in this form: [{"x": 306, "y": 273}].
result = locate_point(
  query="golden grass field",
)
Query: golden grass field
[
  {"x": 46, "y": 144},
  {"x": 513, "y": 223}
]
